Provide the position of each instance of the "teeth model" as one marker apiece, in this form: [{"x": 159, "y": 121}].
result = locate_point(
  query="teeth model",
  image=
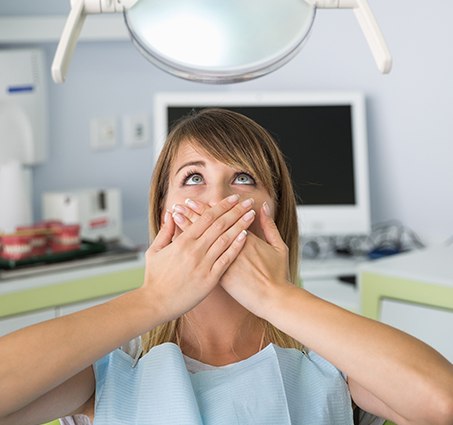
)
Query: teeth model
[
  {"x": 66, "y": 238},
  {"x": 16, "y": 250}
]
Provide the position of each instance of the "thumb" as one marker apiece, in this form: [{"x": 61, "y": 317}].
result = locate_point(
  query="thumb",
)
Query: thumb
[
  {"x": 166, "y": 233},
  {"x": 269, "y": 227}
]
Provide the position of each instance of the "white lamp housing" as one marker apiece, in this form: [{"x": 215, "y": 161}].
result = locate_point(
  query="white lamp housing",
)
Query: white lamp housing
[{"x": 271, "y": 34}]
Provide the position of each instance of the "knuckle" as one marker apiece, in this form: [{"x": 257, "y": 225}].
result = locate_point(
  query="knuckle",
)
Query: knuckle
[
  {"x": 219, "y": 224},
  {"x": 239, "y": 209},
  {"x": 194, "y": 218},
  {"x": 224, "y": 260},
  {"x": 208, "y": 216},
  {"x": 225, "y": 206},
  {"x": 223, "y": 240}
]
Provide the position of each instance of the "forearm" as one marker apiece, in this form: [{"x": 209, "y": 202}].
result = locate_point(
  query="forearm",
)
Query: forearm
[
  {"x": 39, "y": 358},
  {"x": 398, "y": 369}
]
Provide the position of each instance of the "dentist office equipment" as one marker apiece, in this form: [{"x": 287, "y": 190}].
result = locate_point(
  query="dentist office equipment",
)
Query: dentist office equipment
[
  {"x": 217, "y": 42},
  {"x": 23, "y": 132}
]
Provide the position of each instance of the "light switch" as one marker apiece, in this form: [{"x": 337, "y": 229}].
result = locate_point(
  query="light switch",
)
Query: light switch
[
  {"x": 103, "y": 133},
  {"x": 136, "y": 130}
]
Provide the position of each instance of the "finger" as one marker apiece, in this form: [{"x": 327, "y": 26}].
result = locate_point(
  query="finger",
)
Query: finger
[
  {"x": 224, "y": 214},
  {"x": 224, "y": 241},
  {"x": 222, "y": 264},
  {"x": 270, "y": 230},
  {"x": 181, "y": 221},
  {"x": 225, "y": 221},
  {"x": 178, "y": 232},
  {"x": 191, "y": 215},
  {"x": 165, "y": 234},
  {"x": 196, "y": 206}
]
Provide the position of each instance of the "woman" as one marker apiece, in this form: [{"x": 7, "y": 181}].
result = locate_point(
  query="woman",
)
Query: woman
[{"x": 222, "y": 324}]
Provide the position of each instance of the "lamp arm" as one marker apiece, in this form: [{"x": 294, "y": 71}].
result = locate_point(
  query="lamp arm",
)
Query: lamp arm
[
  {"x": 369, "y": 26},
  {"x": 71, "y": 31},
  {"x": 68, "y": 41},
  {"x": 374, "y": 36}
]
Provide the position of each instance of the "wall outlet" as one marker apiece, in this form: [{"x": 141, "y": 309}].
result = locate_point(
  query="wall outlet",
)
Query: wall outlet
[
  {"x": 103, "y": 133},
  {"x": 136, "y": 130}
]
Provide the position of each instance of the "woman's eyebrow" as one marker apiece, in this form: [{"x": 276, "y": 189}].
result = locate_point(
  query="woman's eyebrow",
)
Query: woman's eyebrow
[{"x": 191, "y": 164}]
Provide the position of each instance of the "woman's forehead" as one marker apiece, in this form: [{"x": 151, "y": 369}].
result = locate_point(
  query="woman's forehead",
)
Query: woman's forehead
[
  {"x": 192, "y": 151},
  {"x": 188, "y": 152}
]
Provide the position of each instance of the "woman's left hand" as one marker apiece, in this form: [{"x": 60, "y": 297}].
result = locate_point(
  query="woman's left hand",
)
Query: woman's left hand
[{"x": 260, "y": 270}]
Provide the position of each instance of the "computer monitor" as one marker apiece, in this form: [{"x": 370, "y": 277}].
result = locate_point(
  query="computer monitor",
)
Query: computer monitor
[{"x": 323, "y": 138}]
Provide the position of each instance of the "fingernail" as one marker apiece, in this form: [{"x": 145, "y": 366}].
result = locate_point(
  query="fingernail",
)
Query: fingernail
[
  {"x": 179, "y": 209},
  {"x": 247, "y": 203},
  {"x": 178, "y": 218},
  {"x": 249, "y": 215},
  {"x": 166, "y": 216},
  {"x": 266, "y": 209},
  {"x": 241, "y": 236},
  {"x": 192, "y": 204},
  {"x": 233, "y": 198}
]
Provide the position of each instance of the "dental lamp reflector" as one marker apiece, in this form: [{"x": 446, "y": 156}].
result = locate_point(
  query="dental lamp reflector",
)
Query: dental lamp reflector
[{"x": 221, "y": 41}]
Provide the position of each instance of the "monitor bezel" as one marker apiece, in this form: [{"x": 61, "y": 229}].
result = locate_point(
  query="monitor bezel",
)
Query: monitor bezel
[{"x": 325, "y": 220}]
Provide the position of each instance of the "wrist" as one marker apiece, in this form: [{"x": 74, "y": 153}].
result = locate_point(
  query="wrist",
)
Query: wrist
[
  {"x": 277, "y": 301},
  {"x": 142, "y": 310}
]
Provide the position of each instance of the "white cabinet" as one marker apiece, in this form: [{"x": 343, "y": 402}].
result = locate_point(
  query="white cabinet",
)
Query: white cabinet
[
  {"x": 413, "y": 292},
  {"x": 30, "y": 300},
  {"x": 431, "y": 324},
  {"x": 334, "y": 291}
]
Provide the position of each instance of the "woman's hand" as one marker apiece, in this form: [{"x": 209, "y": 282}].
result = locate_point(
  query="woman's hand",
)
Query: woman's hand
[
  {"x": 181, "y": 272},
  {"x": 259, "y": 270}
]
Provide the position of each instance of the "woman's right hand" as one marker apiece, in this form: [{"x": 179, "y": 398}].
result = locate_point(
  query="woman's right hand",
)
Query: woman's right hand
[{"x": 181, "y": 272}]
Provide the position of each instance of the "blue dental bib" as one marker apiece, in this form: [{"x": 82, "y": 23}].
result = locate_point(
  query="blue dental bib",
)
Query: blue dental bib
[{"x": 276, "y": 386}]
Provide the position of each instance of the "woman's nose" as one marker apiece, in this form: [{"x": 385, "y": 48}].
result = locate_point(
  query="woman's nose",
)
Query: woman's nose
[{"x": 217, "y": 193}]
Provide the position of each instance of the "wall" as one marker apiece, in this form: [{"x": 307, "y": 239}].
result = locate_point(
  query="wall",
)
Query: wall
[{"x": 410, "y": 119}]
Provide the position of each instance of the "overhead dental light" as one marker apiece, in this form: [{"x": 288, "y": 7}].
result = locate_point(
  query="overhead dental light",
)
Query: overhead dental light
[{"x": 222, "y": 41}]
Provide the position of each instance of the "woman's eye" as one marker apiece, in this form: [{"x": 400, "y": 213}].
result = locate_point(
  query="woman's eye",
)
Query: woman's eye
[
  {"x": 193, "y": 179},
  {"x": 244, "y": 178}
]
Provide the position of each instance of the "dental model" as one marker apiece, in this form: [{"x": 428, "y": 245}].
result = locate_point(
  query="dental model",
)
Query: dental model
[
  {"x": 16, "y": 247},
  {"x": 65, "y": 238}
]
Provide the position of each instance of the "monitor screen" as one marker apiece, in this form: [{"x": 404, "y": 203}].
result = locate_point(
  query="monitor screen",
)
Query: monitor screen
[{"x": 322, "y": 137}]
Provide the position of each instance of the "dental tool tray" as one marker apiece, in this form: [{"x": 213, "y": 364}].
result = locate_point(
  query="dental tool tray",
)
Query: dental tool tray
[
  {"x": 87, "y": 248},
  {"x": 90, "y": 254}
]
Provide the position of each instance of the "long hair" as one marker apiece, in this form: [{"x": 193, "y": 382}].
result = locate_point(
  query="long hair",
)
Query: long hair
[{"x": 239, "y": 142}]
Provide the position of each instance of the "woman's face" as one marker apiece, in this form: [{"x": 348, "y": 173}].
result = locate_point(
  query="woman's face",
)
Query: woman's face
[{"x": 198, "y": 176}]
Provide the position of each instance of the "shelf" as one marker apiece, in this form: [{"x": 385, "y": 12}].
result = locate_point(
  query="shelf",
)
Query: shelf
[{"x": 48, "y": 29}]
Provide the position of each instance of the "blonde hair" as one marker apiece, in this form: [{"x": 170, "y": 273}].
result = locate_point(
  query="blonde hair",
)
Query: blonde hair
[{"x": 239, "y": 142}]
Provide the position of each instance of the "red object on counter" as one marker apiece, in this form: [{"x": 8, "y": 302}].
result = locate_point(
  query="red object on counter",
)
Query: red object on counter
[
  {"x": 49, "y": 223},
  {"x": 65, "y": 237},
  {"x": 39, "y": 238},
  {"x": 16, "y": 247}
]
